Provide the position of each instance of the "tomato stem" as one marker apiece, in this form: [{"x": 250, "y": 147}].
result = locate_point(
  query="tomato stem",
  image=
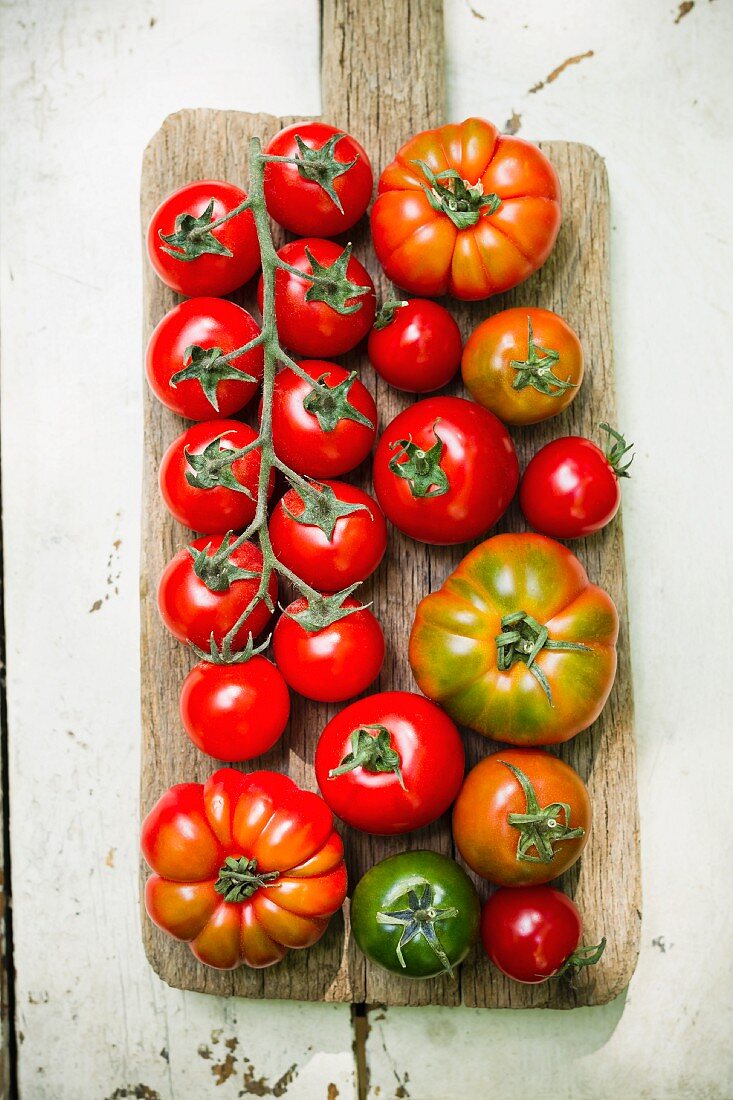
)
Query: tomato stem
[
  {"x": 238, "y": 879},
  {"x": 616, "y": 449},
  {"x": 522, "y": 638},
  {"x": 539, "y": 827},
  {"x": 538, "y": 370},
  {"x": 418, "y": 919},
  {"x": 373, "y": 752},
  {"x": 583, "y": 956}
]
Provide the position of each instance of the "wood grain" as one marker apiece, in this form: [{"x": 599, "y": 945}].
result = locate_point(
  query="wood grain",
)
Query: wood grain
[{"x": 383, "y": 96}]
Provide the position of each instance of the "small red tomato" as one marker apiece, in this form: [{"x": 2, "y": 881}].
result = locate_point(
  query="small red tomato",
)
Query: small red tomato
[
  {"x": 202, "y": 486},
  {"x": 193, "y": 260},
  {"x": 235, "y": 711},
  {"x": 390, "y": 763},
  {"x": 571, "y": 488},
  {"x": 445, "y": 470},
  {"x": 324, "y": 318},
  {"x": 532, "y": 933},
  {"x": 185, "y": 364},
  {"x": 415, "y": 345},
  {"x": 330, "y": 187},
  {"x": 205, "y": 588},
  {"x": 334, "y": 662}
]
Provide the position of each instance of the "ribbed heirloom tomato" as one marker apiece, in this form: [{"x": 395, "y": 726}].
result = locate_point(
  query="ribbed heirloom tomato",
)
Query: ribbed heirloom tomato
[
  {"x": 245, "y": 867},
  {"x": 415, "y": 345}
]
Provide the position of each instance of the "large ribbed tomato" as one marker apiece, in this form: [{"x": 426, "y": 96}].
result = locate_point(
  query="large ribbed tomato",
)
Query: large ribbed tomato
[
  {"x": 465, "y": 210},
  {"x": 517, "y": 644},
  {"x": 244, "y": 867}
]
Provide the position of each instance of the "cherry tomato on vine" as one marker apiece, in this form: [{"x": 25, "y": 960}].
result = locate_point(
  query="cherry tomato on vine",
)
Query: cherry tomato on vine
[
  {"x": 445, "y": 470},
  {"x": 415, "y": 345},
  {"x": 326, "y": 428},
  {"x": 329, "y": 663},
  {"x": 202, "y": 486},
  {"x": 571, "y": 488},
  {"x": 329, "y": 317},
  {"x": 328, "y": 190},
  {"x": 533, "y": 933},
  {"x": 184, "y": 361},
  {"x": 523, "y": 364},
  {"x": 194, "y": 260},
  {"x": 206, "y": 587},
  {"x": 333, "y": 539},
  {"x": 390, "y": 763},
  {"x": 235, "y": 711}
]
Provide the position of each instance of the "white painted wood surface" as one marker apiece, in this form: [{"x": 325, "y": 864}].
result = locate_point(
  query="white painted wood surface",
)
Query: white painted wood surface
[{"x": 84, "y": 85}]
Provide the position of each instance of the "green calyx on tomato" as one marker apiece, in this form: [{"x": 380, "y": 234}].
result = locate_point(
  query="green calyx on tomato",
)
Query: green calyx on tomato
[
  {"x": 210, "y": 367},
  {"x": 193, "y": 237},
  {"x": 463, "y": 202},
  {"x": 330, "y": 404},
  {"x": 217, "y": 570},
  {"x": 331, "y": 284},
  {"x": 224, "y": 656},
  {"x": 538, "y": 370},
  {"x": 213, "y": 466},
  {"x": 418, "y": 919},
  {"x": 321, "y": 167},
  {"x": 538, "y": 826},
  {"x": 616, "y": 449},
  {"x": 372, "y": 751},
  {"x": 522, "y": 639},
  {"x": 322, "y": 611},
  {"x": 387, "y": 313},
  {"x": 583, "y": 956},
  {"x": 421, "y": 470},
  {"x": 321, "y": 507},
  {"x": 238, "y": 879}
]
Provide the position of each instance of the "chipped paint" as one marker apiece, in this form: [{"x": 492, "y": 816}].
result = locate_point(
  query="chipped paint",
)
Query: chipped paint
[
  {"x": 552, "y": 77},
  {"x": 513, "y": 124},
  {"x": 110, "y": 858},
  {"x": 222, "y": 1071},
  {"x": 332, "y": 1092},
  {"x": 134, "y": 1092},
  {"x": 684, "y": 9},
  {"x": 260, "y": 1086},
  {"x": 476, "y": 14}
]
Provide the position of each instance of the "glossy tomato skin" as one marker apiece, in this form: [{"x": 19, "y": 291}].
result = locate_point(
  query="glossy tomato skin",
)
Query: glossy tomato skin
[
  {"x": 478, "y": 460},
  {"x": 314, "y": 329},
  {"x": 217, "y": 509},
  {"x": 352, "y": 553},
  {"x": 235, "y": 712},
  {"x": 192, "y": 612},
  {"x": 503, "y": 339},
  {"x": 208, "y": 273},
  {"x": 431, "y": 756},
  {"x": 206, "y": 323},
  {"x": 261, "y": 818},
  {"x": 491, "y": 792},
  {"x": 331, "y": 664},
  {"x": 385, "y": 888},
  {"x": 422, "y": 250},
  {"x": 455, "y": 658},
  {"x": 301, "y": 205},
  {"x": 298, "y": 437},
  {"x": 569, "y": 489},
  {"x": 529, "y": 932},
  {"x": 419, "y": 350}
]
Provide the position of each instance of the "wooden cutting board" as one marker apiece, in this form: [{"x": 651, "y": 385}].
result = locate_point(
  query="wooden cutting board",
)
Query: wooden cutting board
[{"x": 383, "y": 79}]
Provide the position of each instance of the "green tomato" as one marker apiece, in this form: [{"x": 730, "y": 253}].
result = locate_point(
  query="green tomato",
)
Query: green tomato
[{"x": 415, "y": 914}]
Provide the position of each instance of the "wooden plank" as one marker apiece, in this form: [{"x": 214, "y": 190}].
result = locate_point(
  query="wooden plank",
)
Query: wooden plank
[{"x": 383, "y": 96}]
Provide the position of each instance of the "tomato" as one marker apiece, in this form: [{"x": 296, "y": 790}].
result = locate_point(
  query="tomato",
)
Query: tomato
[
  {"x": 193, "y": 611},
  {"x": 415, "y": 345},
  {"x": 334, "y": 662},
  {"x": 244, "y": 867},
  {"x": 330, "y": 543},
  {"x": 532, "y": 933},
  {"x": 235, "y": 711},
  {"x": 308, "y": 321},
  {"x": 324, "y": 429},
  {"x": 445, "y": 470},
  {"x": 202, "y": 487},
  {"x": 390, "y": 763},
  {"x": 522, "y": 816},
  {"x": 524, "y": 364},
  {"x": 209, "y": 262},
  {"x": 184, "y": 361},
  {"x": 517, "y": 644},
  {"x": 571, "y": 488},
  {"x": 415, "y": 914},
  {"x": 328, "y": 190},
  {"x": 465, "y": 210}
]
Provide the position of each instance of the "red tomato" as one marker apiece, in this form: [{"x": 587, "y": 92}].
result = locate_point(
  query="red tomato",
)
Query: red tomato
[
  {"x": 328, "y": 191},
  {"x": 415, "y": 345},
  {"x": 193, "y": 611},
  {"x": 235, "y": 711},
  {"x": 329, "y": 556},
  {"x": 477, "y": 232},
  {"x": 197, "y": 482},
  {"x": 532, "y": 933},
  {"x": 571, "y": 488},
  {"x": 322, "y": 431},
  {"x": 227, "y": 256},
  {"x": 333, "y": 663},
  {"x": 310, "y": 326},
  {"x": 398, "y": 761},
  {"x": 210, "y": 388},
  {"x": 445, "y": 470}
]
